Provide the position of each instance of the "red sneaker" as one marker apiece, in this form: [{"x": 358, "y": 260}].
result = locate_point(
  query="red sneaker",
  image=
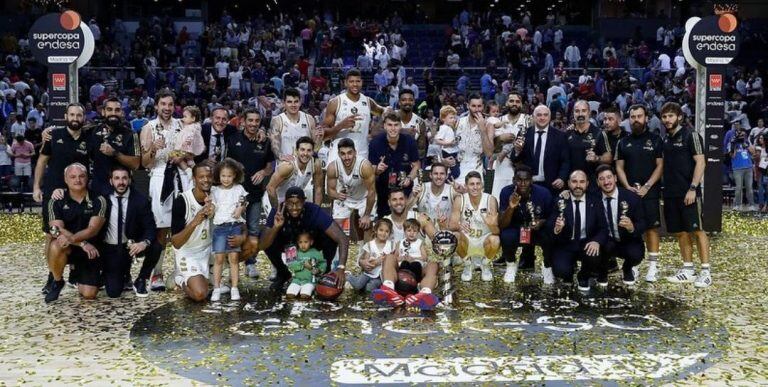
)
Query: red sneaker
[
  {"x": 423, "y": 301},
  {"x": 386, "y": 296}
]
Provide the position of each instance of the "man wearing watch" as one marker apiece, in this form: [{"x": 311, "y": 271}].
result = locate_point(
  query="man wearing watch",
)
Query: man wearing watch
[
  {"x": 683, "y": 171},
  {"x": 130, "y": 230},
  {"x": 639, "y": 165},
  {"x": 76, "y": 221}
]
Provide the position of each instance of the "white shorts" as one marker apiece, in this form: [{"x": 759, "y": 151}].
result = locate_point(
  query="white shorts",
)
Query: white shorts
[
  {"x": 305, "y": 290},
  {"x": 22, "y": 169},
  {"x": 475, "y": 246},
  {"x": 504, "y": 176},
  {"x": 343, "y": 210},
  {"x": 190, "y": 265},
  {"x": 162, "y": 210}
]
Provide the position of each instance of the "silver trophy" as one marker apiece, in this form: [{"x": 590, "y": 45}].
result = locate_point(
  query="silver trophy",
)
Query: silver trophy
[
  {"x": 444, "y": 245},
  {"x": 55, "y": 232},
  {"x": 531, "y": 211},
  {"x": 624, "y": 208},
  {"x": 561, "y": 206}
]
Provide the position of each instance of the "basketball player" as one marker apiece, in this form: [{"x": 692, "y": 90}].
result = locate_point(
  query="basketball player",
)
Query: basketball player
[
  {"x": 411, "y": 123},
  {"x": 513, "y": 122},
  {"x": 298, "y": 172},
  {"x": 289, "y": 126},
  {"x": 351, "y": 183},
  {"x": 434, "y": 199}
]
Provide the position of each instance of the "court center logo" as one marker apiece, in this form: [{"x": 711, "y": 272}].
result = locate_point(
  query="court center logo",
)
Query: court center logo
[{"x": 532, "y": 336}]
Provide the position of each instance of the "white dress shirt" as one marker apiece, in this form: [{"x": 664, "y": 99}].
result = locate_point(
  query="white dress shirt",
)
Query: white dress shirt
[
  {"x": 614, "y": 211},
  {"x": 539, "y": 175},
  {"x": 582, "y": 213},
  {"x": 111, "y": 237}
]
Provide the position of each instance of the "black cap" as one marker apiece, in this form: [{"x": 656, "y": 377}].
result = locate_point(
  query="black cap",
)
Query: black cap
[{"x": 295, "y": 192}]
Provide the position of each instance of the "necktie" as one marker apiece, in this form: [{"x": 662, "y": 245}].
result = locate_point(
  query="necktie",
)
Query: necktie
[
  {"x": 577, "y": 220},
  {"x": 537, "y": 152},
  {"x": 609, "y": 212},
  {"x": 217, "y": 150},
  {"x": 119, "y": 220}
]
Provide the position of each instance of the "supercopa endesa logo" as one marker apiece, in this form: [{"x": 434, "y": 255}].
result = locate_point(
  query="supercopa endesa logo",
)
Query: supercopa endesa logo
[
  {"x": 61, "y": 39},
  {"x": 713, "y": 40}
]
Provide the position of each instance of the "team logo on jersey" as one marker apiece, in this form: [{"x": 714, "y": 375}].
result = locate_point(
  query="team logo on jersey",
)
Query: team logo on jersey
[
  {"x": 467, "y": 213},
  {"x": 648, "y": 143},
  {"x": 353, "y": 110},
  {"x": 303, "y": 125},
  {"x": 365, "y": 103},
  {"x": 483, "y": 210},
  {"x": 445, "y": 198},
  {"x": 60, "y": 141},
  {"x": 355, "y": 176},
  {"x": 405, "y": 157},
  {"x": 66, "y": 207}
]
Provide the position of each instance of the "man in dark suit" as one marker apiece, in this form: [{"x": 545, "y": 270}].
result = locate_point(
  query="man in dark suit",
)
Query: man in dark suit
[
  {"x": 626, "y": 225},
  {"x": 215, "y": 136},
  {"x": 130, "y": 230},
  {"x": 545, "y": 150},
  {"x": 579, "y": 231}
]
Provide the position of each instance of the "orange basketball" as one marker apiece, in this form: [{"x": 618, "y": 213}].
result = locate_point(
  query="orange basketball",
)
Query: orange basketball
[
  {"x": 727, "y": 22},
  {"x": 70, "y": 20}
]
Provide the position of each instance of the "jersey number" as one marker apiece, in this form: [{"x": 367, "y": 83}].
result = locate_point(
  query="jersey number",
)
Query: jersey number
[{"x": 204, "y": 234}]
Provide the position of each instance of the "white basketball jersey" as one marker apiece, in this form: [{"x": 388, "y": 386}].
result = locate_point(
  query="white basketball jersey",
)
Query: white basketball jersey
[
  {"x": 511, "y": 127},
  {"x": 435, "y": 206},
  {"x": 298, "y": 178},
  {"x": 353, "y": 182},
  {"x": 413, "y": 249},
  {"x": 199, "y": 243},
  {"x": 474, "y": 216},
  {"x": 359, "y": 132},
  {"x": 375, "y": 252},
  {"x": 398, "y": 231},
  {"x": 471, "y": 146},
  {"x": 413, "y": 125},
  {"x": 292, "y": 131}
]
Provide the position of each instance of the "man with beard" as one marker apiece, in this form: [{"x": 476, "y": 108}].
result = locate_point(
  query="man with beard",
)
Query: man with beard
[
  {"x": 524, "y": 208},
  {"x": 75, "y": 223},
  {"x": 411, "y": 123},
  {"x": 512, "y": 123},
  {"x": 293, "y": 216},
  {"x": 626, "y": 224},
  {"x": 579, "y": 230},
  {"x": 610, "y": 136},
  {"x": 639, "y": 165},
  {"x": 130, "y": 229},
  {"x": 434, "y": 200},
  {"x": 684, "y": 152},
  {"x": 352, "y": 185},
  {"x": 215, "y": 134},
  {"x": 68, "y": 145},
  {"x": 397, "y": 161},
  {"x": 298, "y": 172},
  {"x": 545, "y": 150},
  {"x": 255, "y": 153},
  {"x": 582, "y": 141},
  {"x": 156, "y": 139},
  {"x": 471, "y": 130},
  {"x": 396, "y": 200},
  {"x": 191, "y": 234},
  {"x": 348, "y": 115},
  {"x": 291, "y": 125},
  {"x": 112, "y": 144},
  {"x": 474, "y": 220}
]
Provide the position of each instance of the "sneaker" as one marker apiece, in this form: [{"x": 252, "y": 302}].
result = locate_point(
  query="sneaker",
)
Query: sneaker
[
  {"x": 48, "y": 284},
  {"x": 583, "y": 284},
  {"x": 278, "y": 283},
  {"x": 613, "y": 266},
  {"x": 630, "y": 274},
  {"x": 549, "y": 275},
  {"x": 704, "y": 280},
  {"x": 752, "y": 208},
  {"x": 683, "y": 276},
  {"x": 235, "y": 294},
  {"x": 216, "y": 295},
  {"x": 157, "y": 283},
  {"x": 128, "y": 285},
  {"x": 140, "y": 287},
  {"x": 273, "y": 274},
  {"x": 652, "y": 275},
  {"x": 224, "y": 288},
  {"x": 386, "y": 296},
  {"x": 71, "y": 282},
  {"x": 602, "y": 281},
  {"x": 466, "y": 275},
  {"x": 423, "y": 301},
  {"x": 487, "y": 271},
  {"x": 510, "y": 273},
  {"x": 252, "y": 271},
  {"x": 53, "y": 294}
]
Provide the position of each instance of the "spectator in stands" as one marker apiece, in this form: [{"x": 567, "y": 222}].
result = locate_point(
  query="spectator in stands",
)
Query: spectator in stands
[
  {"x": 22, "y": 152},
  {"x": 573, "y": 55},
  {"x": 5, "y": 158}
]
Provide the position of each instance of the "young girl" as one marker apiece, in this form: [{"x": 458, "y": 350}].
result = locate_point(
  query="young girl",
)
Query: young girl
[
  {"x": 446, "y": 138},
  {"x": 372, "y": 256},
  {"x": 230, "y": 199},
  {"x": 189, "y": 142},
  {"x": 306, "y": 268}
]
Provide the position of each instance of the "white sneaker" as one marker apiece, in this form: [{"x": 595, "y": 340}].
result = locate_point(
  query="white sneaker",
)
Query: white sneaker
[
  {"x": 549, "y": 275},
  {"x": 252, "y": 271},
  {"x": 683, "y": 276},
  {"x": 466, "y": 275},
  {"x": 486, "y": 270},
  {"x": 652, "y": 275},
  {"x": 736, "y": 209},
  {"x": 704, "y": 280},
  {"x": 224, "y": 288},
  {"x": 511, "y": 273},
  {"x": 216, "y": 295},
  {"x": 234, "y": 294},
  {"x": 273, "y": 274},
  {"x": 752, "y": 208}
]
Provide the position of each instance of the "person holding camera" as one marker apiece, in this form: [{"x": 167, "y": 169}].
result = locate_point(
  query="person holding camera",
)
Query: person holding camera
[{"x": 741, "y": 151}]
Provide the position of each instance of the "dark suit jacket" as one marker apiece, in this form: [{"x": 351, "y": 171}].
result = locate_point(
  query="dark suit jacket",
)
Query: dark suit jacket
[
  {"x": 635, "y": 212},
  {"x": 205, "y": 132},
  {"x": 596, "y": 226},
  {"x": 557, "y": 163},
  {"x": 139, "y": 222}
]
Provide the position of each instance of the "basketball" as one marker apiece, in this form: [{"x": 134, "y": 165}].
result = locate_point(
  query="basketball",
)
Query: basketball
[
  {"x": 326, "y": 289},
  {"x": 406, "y": 282}
]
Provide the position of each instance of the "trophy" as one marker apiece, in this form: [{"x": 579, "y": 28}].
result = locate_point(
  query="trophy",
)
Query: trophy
[
  {"x": 406, "y": 246},
  {"x": 531, "y": 211},
  {"x": 420, "y": 176},
  {"x": 561, "y": 206},
  {"x": 55, "y": 232},
  {"x": 624, "y": 208},
  {"x": 521, "y": 134},
  {"x": 401, "y": 178},
  {"x": 592, "y": 142},
  {"x": 344, "y": 188},
  {"x": 444, "y": 245}
]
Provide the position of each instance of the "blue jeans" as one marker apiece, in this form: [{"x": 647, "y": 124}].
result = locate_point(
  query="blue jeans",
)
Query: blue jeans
[
  {"x": 253, "y": 220},
  {"x": 762, "y": 190},
  {"x": 220, "y": 234}
]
